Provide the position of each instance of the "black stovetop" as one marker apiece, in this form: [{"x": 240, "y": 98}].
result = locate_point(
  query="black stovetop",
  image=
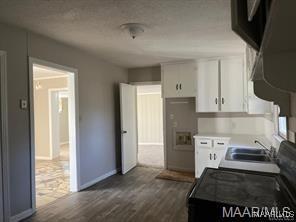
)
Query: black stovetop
[{"x": 240, "y": 189}]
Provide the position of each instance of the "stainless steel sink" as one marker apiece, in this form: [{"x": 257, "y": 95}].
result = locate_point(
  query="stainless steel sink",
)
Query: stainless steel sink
[
  {"x": 247, "y": 154},
  {"x": 246, "y": 150}
]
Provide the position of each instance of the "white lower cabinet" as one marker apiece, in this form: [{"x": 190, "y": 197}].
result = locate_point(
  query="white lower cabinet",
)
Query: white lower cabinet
[{"x": 208, "y": 153}]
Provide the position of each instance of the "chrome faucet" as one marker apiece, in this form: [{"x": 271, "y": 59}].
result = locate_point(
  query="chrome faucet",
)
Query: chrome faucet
[{"x": 271, "y": 151}]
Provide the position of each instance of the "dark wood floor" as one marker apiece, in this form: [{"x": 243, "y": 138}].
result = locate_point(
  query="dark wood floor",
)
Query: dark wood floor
[{"x": 136, "y": 196}]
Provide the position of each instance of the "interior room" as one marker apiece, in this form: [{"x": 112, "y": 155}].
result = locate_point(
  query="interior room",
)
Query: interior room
[
  {"x": 150, "y": 126},
  {"x": 51, "y": 127},
  {"x": 147, "y": 110}
]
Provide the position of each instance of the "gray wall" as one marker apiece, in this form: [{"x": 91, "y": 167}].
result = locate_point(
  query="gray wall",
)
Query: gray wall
[
  {"x": 180, "y": 116},
  {"x": 98, "y": 108},
  {"x": 147, "y": 74}
]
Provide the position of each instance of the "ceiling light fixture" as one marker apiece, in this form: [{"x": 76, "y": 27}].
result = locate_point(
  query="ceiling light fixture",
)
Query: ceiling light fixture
[{"x": 134, "y": 29}]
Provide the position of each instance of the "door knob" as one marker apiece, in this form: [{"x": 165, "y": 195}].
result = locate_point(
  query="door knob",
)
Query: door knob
[{"x": 123, "y": 131}]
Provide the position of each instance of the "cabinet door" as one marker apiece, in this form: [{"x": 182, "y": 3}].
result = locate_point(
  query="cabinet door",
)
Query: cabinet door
[
  {"x": 187, "y": 78},
  {"x": 217, "y": 154},
  {"x": 207, "y": 86},
  {"x": 170, "y": 80},
  {"x": 232, "y": 85},
  {"x": 202, "y": 160}
]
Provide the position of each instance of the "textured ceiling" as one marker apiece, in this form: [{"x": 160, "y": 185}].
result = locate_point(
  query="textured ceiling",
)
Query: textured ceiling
[{"x": 177, "y": 29}]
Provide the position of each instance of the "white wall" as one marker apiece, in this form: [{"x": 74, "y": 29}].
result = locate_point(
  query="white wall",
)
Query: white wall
[
  {"x": 150, "y": 116},
  {"x": 233, "y": 125}
]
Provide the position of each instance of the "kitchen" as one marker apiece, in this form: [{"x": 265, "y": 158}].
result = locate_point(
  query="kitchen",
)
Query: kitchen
[
  {"x": 222, "y": 75},
  {"x": 242, "y": 175}
]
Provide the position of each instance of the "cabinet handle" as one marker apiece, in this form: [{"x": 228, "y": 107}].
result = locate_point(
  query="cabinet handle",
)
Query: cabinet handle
[
  {"x": 177, "y": 86},
  {"x": 180, "y": 86},
  {"x": 210, "y": 156},
  {"x": 215, "y": 157},
  {"x": 220, "y": 143},
  {"x": 222, "y": 100},
  {"x": 216, "y": 100},
  {"x": 203, "y": 143}
]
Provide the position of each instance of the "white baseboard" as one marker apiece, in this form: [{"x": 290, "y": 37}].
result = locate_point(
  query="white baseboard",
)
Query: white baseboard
[
  {"x": 22, "y": 215},
  {"x": 64, "y": 143},
  {"x": 98, "y": 179},
  {"x": 43, "y": 158},
  {"x": 150, "y": 144}
]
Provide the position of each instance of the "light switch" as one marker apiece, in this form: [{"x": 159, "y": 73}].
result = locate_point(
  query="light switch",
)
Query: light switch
[{"x": 23, "y": 104}]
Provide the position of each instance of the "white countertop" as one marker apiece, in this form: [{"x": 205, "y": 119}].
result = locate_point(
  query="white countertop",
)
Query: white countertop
[
  {"x": 237, "y": 140},
  {"x": 240, "y": 140}
]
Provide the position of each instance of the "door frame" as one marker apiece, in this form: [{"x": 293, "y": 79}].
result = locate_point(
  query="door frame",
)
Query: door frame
[
  {"x": 163, "y": 116},
  {"x": 4, "y": 161},
  {"x": 74, "y": 109}
]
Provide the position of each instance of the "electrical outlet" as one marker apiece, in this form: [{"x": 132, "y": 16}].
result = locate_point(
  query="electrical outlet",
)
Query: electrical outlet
[{"x": 23, "y": 104}]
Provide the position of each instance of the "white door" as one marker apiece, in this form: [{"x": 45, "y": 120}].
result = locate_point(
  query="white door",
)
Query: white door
[
  {"x": 207, "y": 86},
  {"x": 203, "y": 160},
  {"x": 232, "y": 85},
  {"x": 128, "y": 111},
  {"x": 187, "y": 76},
  {"x": 170, "y": 80}
]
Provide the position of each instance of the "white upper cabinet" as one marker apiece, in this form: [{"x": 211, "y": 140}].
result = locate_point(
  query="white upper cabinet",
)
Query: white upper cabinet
[
  {"x": 220, "y": 85},
  {"x": 232, "y": 85},
  {"x": 179, "y": 79},
  {"x": 208, "y": 86}
]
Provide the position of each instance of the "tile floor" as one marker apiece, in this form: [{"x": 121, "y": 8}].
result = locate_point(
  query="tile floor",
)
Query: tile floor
[
  {"x": 151, "y": 155},
  {"x": 52, "y": 178}
]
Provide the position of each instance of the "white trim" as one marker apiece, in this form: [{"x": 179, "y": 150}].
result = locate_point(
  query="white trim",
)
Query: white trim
[
  {"x": 74, "y": 129},
  {"x": 184, "y": 61},
  {"x": 64, "y": 143},
  {"x": 98, "y": 179},
  {"x": 148, "y": 144},
  {"x": 50, "y": 77},
  {"x": 64, "y": 94},
  {"x": 4, "y": 136},
  {"x": 278, "y": 138},
  {"x": 22, "y": 215},
  {"x": 43, "y": 158},
  {"x": 149, "y": 93},
  {"x": 145, "y": 83}
]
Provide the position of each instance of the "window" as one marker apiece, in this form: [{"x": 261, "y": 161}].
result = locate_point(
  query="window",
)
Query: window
[
  {"x": 282, "y": 122},
  {"x": 282, "y": 127}
]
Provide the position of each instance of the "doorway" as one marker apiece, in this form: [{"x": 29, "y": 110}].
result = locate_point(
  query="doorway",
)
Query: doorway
[
  {"x": 54, "y": 131},
  {"x": 150, "y": 126}
]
